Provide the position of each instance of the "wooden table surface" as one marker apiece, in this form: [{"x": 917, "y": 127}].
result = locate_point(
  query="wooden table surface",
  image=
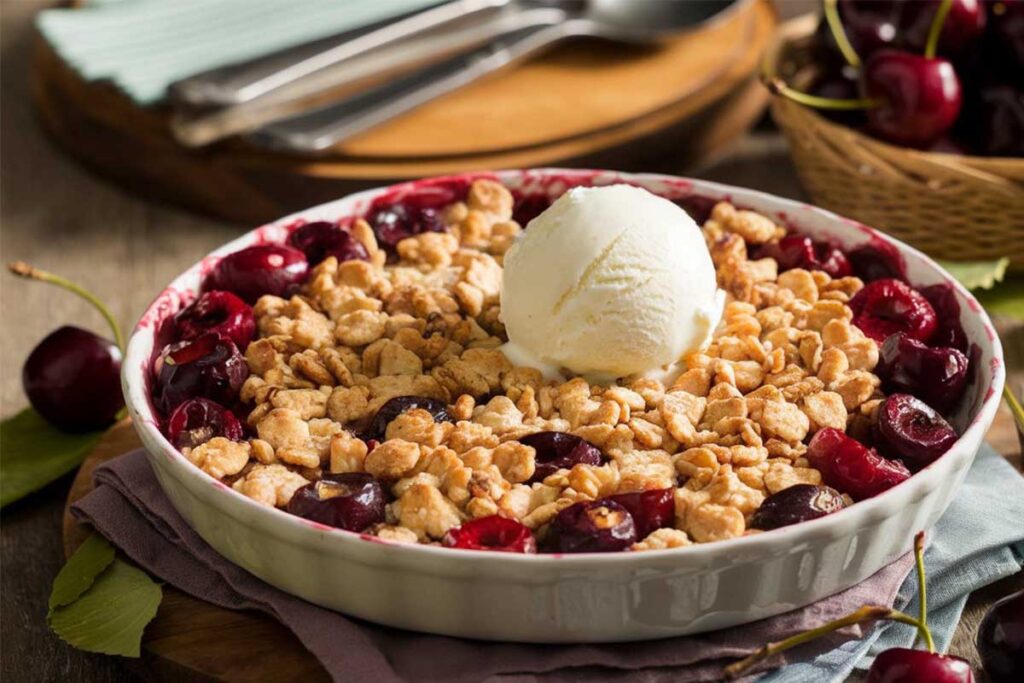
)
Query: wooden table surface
[{"x": 57, "y": 216}]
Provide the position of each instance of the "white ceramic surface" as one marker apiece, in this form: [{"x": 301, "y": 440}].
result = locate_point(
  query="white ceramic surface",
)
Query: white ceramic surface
[{"x": 551, "y": 598}]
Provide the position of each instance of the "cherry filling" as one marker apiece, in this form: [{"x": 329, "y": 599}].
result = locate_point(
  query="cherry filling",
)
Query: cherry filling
[
  {"x": 208, "y": 367},
  {"x": 352, "y": 501},
  {"x": 492, "y": 533},
  {"x": 599, "y": 526},
  {"x": 885, "y": 307},
  {"x": 402, "y": 404},
  {"x": 217, "y": 311},
  {"x": 321, "y": 239},
  {"x": 798, "y": 503},
  {"x": 262, "y": 269},
  {"x": 852, "y": 467},
  {"x": 198, "y": 420},
  {"x": 938, "y": 376},
  {"x": 911, "y": 430},
  {"x": 651, "y": 510},
  {"x": 559, "y": 450},
  {"x": 798, "y": 251}
]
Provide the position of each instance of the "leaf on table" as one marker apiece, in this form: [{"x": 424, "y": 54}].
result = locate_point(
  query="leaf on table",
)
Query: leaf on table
[
  {"x": 977, "y": 274},
  {"x": 111, "y": 615},
  {"x": 33, "y": 453},
  {"x": 78, "y": 575},
  {"x": 1006, "y": 299}
]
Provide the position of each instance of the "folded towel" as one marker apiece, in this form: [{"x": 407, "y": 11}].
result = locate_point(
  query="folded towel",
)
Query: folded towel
[
  {"x": 130, "y": 509},
  {"x": 143, "y": 46}
]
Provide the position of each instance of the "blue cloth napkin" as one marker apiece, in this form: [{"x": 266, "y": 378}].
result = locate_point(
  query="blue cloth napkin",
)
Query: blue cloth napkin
[
  {"x": 142, "y": 46},
  {"x": 979, "y": 540}
]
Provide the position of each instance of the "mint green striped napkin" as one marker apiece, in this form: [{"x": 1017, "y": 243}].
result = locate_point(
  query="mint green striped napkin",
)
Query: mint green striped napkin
[{"x": 142, "y": 46}]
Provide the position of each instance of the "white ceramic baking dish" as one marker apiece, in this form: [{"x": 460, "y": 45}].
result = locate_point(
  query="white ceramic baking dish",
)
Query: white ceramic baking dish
[{"x": 570, "y": 598}]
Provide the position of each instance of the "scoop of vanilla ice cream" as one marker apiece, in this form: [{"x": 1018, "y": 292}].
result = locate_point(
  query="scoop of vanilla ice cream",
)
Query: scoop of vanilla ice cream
[{"x": 608, "y": 282}]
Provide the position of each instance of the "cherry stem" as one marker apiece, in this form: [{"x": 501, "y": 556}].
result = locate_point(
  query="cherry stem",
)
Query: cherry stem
[
  {"x": 922, "y": 615},
  {"x": 932, "y": 44},
  {"x": 865, "y": 613},
  {"x": 779, "y": 87},
  {"x": 1015, "y": 406},
  {"x": 835, "y": 25},
  {"x": 22, "y": 269}
]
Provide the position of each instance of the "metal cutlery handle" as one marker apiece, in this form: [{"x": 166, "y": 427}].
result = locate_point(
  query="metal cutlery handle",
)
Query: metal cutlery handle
[
  {"x": 319, "y": 130},
  {"x": 238, "y": 84}
]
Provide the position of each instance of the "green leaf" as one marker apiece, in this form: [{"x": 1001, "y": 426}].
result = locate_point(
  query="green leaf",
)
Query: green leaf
[
  {"x": 75, "y": 577},
  {"x": 1006, "y": 299},
  {"x": 111, "y": 615},
  {"x": 977, "y": 274},
  {"x": 33, "y": 453}
]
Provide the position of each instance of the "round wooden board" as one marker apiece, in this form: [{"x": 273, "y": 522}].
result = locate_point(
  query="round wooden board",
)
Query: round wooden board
[
  {"x": 658, "y": 108},
  {"x": 191, "y": 640}
]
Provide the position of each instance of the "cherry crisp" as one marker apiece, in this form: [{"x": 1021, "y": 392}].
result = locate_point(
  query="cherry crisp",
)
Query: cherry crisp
[{"x": 353, "y": 377}]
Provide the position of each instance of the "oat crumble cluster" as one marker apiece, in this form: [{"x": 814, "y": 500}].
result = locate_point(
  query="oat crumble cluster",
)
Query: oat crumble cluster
[{"x": 730, "y": 430}]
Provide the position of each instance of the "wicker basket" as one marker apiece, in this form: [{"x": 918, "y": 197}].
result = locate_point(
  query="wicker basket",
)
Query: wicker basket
[{"x": 950, "y": 206}]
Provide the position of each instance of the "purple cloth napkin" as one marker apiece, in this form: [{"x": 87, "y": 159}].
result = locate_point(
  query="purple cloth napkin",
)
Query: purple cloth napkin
[{"x": 129, "y": 508}]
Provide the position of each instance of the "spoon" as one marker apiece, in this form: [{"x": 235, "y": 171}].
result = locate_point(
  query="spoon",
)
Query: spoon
[{"x": 551, "y": 21}]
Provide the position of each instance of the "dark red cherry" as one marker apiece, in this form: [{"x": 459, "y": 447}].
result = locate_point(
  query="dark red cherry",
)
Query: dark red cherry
[
  {"x": 909, "y": 429},
  {"x": 528, "y": 207},
  {"x": 216, "y": 311},
  {"x": 949, "y": 333},
  {"x": 963, "y": 25},
  {"x": 839, "y": 82},
  {"x": 904, "y": 665},
  {"x": 651, "y": 510},
  {"x": 885, "y": 307},
  {"x": 321, "y": 239},
  {"x": 73, "y": 379},
  {"x": 798, "y": 503},
  {"x": 1001, "y": 640},
  {"x": 998, "y": 119},
  {"x": 870, "y": 264},
  {"x": 937, "y": 376},
  {"x": 208, "y": 367},
  {"x": 198, "y": 420},
  {"x": 392, "y": 223},
  {"x": 262, "y": 269},
  {"x": 1006, "y": 33},
  {"x": 559, "y": 450},
  {"x": 492, "y": 533},
  {"x": 851, "y": 467},
  {"x": 870, "y": 25},
  {"x": 598, "y": 526},
  {"x": 920, "y": 97},
  {"x": 798, "y": 251},
  {"x": 352, "y": 501},
  {"x": 402, "y": 404}
]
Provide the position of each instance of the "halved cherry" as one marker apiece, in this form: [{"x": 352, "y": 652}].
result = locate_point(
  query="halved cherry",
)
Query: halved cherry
[
  {"x": 651, "y": 510},
  {"x": 402, "y": 404},
  {"x": 208, "y": 367},
  {"x": 938, "y": 376},
  {"x": 351, "y": 501},
  {"x": 911, "y": 430},
  {"x": 492, "y": 533},
  {"x": 320, "y": 239},
  {"x": 559, "y": 450},
  {"x": 216, "y": 311},
  {"x": 198, "y": 420},
  {"x": 597, "y": 526},
  {"x": 885, "y": 307},
  {"x": 851, "y": 467}
]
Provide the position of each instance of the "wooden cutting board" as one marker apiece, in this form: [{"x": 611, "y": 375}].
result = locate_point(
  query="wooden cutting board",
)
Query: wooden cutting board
[
  {"x": 191, "y": 640},
  {"x": 589, "y": 103}
]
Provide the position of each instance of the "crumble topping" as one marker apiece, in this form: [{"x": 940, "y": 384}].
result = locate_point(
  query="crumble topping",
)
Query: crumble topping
[{"x": 729, "y": 430}]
